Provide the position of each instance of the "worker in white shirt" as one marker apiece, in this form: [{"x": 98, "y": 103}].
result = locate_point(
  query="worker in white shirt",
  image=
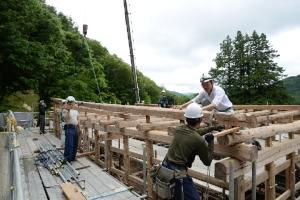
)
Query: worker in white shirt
[
  {"x": 71, "y": 118},
  {"x": 211, "y": 97}
]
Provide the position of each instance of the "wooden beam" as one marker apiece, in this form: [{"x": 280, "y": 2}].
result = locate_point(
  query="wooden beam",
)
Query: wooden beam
[
  {"x": 259, "y": 132},
  {"x": 225, "y": 132},
  {"x": 263, "y": 176},
  {"x": 157, "y": 125},
  {"x": 267, "y": 107},
  {"x": 265, "y": 156},
  {"x": 207, "y": 179}
]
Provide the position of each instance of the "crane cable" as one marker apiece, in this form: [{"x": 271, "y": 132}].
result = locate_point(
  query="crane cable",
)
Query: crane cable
[{"x": 93, "y": 67}]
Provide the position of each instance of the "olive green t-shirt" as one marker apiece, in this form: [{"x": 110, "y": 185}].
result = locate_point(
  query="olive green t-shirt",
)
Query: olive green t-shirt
[{"x": 187, "y": 143}]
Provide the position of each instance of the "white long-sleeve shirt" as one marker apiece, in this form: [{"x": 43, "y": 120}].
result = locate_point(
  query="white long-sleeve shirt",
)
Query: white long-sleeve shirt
[{"x": 217, "y": 97}]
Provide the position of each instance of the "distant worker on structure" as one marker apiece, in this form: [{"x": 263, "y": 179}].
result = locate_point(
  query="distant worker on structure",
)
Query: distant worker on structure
[
  {"x": 42, "y": 118},
  {"x": 71, "y": 118},
  {"x": 164, "y": 100},
  {"x": 188, "y": 141},
  {"x": 211, "y": 97}
]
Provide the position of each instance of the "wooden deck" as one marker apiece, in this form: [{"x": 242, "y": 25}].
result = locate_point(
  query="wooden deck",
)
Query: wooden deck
[{"x": 39, "y": 183}]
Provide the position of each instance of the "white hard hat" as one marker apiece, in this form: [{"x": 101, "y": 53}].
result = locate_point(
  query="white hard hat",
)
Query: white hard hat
[
  {"x": 205, "y": 78},
  {"x": 193, "y": 111},
  {"x": 163, "y": 91},
  {"x": 70, "y": 99}
]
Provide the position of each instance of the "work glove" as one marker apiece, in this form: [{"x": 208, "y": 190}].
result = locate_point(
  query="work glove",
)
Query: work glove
[
  {"x": 209, "y": 138},
  {"x": 219, "y": 127}
]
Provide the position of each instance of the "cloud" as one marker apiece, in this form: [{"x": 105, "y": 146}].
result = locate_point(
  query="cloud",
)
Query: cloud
[{"x": 176, "y": 41}]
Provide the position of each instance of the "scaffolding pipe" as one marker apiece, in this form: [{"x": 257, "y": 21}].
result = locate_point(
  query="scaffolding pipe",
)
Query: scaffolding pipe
[
  {"x": 16, "y": 172},
  {"x": 231, "y": 181},
  {"x": 253, "y": 180}
]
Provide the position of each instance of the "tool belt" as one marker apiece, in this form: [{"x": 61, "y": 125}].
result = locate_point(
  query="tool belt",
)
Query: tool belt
[
  {"x": 69, "y": 126},
  {"x": 164, "y": 181}
]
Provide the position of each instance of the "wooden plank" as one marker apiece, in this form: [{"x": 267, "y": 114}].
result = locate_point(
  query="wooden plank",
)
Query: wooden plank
[
  {"x": 72, "y": 192},
  {"x": 239, "y": 190}
]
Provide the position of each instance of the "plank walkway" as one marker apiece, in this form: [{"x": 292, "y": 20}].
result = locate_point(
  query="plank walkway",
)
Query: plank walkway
[{"x": 40, "y": 184}]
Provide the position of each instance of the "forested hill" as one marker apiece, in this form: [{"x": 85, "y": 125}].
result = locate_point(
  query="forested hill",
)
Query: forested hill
[
  {"x": 43, "y": 51},
  {"x": 292, "y": 84}
]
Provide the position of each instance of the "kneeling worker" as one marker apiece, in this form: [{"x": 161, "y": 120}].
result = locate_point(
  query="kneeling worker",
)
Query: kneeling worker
[
  {"x": 71, "y": 117},
  {"x": 211, "y": 97},
  {"x": 186, "y": 144}
]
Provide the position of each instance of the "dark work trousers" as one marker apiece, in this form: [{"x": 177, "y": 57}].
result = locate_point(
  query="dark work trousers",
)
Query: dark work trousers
[
  {"x": 189, "y": 188},
  {"x": 42, "y": 124},
  {"x": 71, "y": 143}
]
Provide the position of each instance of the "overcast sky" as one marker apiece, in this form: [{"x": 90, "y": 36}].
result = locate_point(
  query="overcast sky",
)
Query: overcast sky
[{"x": 175, "y": 41}]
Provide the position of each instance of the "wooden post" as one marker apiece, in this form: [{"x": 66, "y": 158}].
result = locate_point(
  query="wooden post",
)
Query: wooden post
[
  {"x": 149, "y": 148},
  {"x": 97, "y": 146},
  {"x": 126, "y": 158},
  {"x": 239, "y": 190},
  {"x": 290, "y": 172},
  {"x": 270, "y": 183},
  {"x": 108, "y": 153}
]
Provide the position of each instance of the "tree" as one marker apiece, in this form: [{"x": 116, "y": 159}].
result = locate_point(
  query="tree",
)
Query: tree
[{"x": 246, "y": 69}]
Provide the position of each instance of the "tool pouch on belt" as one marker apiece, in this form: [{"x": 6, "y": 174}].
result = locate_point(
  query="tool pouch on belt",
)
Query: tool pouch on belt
[{"x": 165, "y": 183}]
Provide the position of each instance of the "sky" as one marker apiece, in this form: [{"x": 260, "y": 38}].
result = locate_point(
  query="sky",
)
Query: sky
[{"x": 175, "y": 41}]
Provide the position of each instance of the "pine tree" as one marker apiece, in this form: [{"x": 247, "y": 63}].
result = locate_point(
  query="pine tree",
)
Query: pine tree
[{"x": 246, "y": 69}]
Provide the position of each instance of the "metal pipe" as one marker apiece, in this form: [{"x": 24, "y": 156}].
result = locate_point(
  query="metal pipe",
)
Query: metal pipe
[
  {"x": 231, "y": 181},
  {"x": 16, "y": 170},
  {"x": 144, "y": 169},
  {"x": 253, "y": 195}
]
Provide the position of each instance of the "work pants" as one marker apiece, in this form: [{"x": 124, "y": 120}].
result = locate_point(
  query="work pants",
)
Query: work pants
[
  {"x": 189, "y": 188},
  {"x": 42, "y": 124},
  {"x": 71, "y": 143}
]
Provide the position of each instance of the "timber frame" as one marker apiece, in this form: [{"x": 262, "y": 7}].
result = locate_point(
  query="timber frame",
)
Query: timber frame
[{"x": 243, "y": 168}]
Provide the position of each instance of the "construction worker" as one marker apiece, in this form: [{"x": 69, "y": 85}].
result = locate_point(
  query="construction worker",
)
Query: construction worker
[
  {"x": 71, "y": 118},
  {"x": 42, "y": 118},
  {"x": 186, "y": 144},
  {"x": 164, "y": 101},
  {"x": 211, "y": 97}
]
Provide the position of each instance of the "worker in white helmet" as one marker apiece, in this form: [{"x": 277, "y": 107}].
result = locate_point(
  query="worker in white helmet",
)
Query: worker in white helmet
[
  {"x": 186, "y": 144},
  {"x": 71, "y": 118},
  {"x": 211, "y": 97}
]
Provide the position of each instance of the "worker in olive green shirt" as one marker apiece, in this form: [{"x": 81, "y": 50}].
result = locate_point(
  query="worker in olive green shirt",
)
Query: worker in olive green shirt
[{"x": 186, "y": 144}]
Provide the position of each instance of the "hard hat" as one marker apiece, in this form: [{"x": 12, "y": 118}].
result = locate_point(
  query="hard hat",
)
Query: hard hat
[
  {"x": 70, "y": 99},
  {"x": 193, "y": 111},
  {"x": 63, "y": 101},
  {"x": 163, "y": 91},
  {"x": 205, "y": 78}
]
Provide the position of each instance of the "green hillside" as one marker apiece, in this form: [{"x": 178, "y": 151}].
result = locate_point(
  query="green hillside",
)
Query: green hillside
[
  {"x": 292, "y": 84},
  {"x": 42, "y": 51}
]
